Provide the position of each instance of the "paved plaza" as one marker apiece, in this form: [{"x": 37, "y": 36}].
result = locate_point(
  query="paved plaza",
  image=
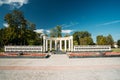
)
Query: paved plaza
[{"x": 60, "y": 67}]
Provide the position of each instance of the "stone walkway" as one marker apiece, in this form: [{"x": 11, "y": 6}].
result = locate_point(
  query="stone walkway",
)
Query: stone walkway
[{"x": 60, "y": 67}]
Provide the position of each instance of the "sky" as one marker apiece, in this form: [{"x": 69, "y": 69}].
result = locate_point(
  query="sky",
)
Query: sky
[{"x": 99, "y": 17}]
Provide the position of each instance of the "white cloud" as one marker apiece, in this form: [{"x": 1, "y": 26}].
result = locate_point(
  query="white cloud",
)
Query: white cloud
[
  {"x": 39, "y": 30},
  {"x": 109, "y": 23},
  {"x": 67, "y": 31},
  {"x": 69, "y": 25},
  {"x": 42, "y": 31},
  {"x": 48, "y": 31},
  {"x": 13, "y": 3},
  {"x": 5, "y": 24}
]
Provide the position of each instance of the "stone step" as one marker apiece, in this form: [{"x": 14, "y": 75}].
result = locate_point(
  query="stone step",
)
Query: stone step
[
  {"x": 60, "y": 52},
  {"x": 59, "y": 56}
]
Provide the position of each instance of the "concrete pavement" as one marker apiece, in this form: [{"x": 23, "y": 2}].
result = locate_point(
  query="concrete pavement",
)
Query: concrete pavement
[{"x": 60, "y": 67}]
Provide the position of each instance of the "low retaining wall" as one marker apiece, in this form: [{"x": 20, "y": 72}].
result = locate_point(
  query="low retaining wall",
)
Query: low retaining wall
[
  {"x": 93, "y": 54},
  {"x": 24, "y": 55}
]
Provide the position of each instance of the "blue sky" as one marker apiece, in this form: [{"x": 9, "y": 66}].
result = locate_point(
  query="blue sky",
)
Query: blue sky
[{"x": 99, "y": 17}]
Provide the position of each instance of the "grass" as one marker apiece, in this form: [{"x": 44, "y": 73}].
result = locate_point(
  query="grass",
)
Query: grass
[{"x": 116, "y": 49}]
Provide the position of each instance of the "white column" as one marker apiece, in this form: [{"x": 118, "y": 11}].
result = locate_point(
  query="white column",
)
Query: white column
[
  {"x": 55, "y": 44},
  {"x": 69, "y": 44},
  {"x": 65, "y": 45},
  {"x": 46, "y": 45},
  {"x": 50, "y": 45},
  {"x": 109, "y": 48},
  {"x": 60, "y": 44},
  {"x": 43, "y": 44}
]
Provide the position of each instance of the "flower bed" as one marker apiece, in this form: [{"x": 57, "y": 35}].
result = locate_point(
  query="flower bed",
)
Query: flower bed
[
  {"x": 112, "y": 54},
  {"x": 93, "y": 54},
  {"x": 84, "y": 54},
  {"x": 39, "y": 54},
  {"x": 2, "y": 54},
  {"x": 24, "y": 55}
]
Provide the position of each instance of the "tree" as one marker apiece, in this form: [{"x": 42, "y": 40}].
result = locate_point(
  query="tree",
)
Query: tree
[
  {"x": 82, "y": 38},
  {"x": 59, "y": 31},
  {"x": 1, "y": 38},
  {"x": 56, "y": 32},
  {"x": 118, "y": 43},
  {"x": 31, "y": 25},
  {"x": 17, "y": 26},
  {"x": 101, "y": 40},
  {"x": 86, "y": 41},
  {"x": 20, "y": 31},
  {"x": 53, "y": 32},
  {"x": 76, "y": 37},
  {"x": 109, "y": 40},
  {"x": 67, "y": 35},
  {"x": 105, "y": 40},
  {"x": 99, "y": 37},
  {"x": 84, "y": 34},
  {"x": 89, "y": 40}
]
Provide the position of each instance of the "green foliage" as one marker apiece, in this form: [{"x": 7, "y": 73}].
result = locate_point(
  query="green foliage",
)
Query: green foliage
[
  {"x": 59, "y": 31},
  {"x": 2, "y": 49},
  {"x": 75, "y": 42},
  {"x": 19, "y": 31},
  {"x": 53, "y": 32},
  {"x": 16, "y": 19},
  {"x": 118, "y": 43},
  {"x": 82, "y": 38},
  {"x": 109, "y": 40},
  {"x": 105, "y": 40},
  {"x": 1, "y": 38},
  {"x": 56, "y": 32},
  {"x": 86, "y": 41},
  {"x": 76, "y": 37},
  {"x": 101, "y": 40},
  {"x": 67, "y": 35}
]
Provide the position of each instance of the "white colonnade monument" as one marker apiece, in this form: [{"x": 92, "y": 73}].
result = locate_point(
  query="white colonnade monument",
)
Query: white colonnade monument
[{"x": 58, "y": 42}]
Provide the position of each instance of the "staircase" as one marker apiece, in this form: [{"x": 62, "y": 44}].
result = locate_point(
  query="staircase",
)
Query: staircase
[{"x": 59, "y": 52}]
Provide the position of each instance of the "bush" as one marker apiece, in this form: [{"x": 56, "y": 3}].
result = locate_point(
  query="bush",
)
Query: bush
[{"x": 1, "y": 49}]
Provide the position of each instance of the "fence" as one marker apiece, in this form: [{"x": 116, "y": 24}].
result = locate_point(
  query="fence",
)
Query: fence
[
  {"x": 23, "y": 48},
  {"x": 92, "y": 48}
]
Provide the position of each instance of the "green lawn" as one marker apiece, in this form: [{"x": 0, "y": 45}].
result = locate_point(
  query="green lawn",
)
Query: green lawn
[{"x": 116, "y": 49}]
